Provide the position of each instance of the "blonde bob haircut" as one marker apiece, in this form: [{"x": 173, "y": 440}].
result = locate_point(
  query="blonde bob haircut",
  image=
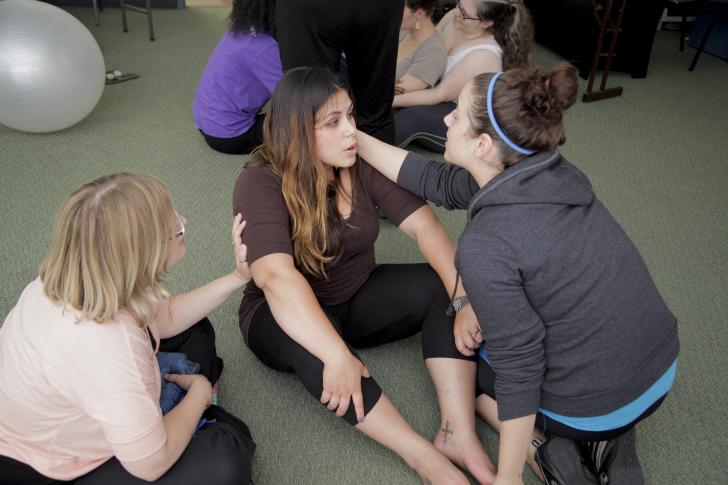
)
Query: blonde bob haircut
[{"x": 110, "y": 247}]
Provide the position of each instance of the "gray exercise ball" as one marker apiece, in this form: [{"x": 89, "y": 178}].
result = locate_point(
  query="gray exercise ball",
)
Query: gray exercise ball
[{"x": 52, "y": 72}]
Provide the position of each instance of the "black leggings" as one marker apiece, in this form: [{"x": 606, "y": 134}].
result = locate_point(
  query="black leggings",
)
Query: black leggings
[
  {"x": 239, "y": 145},
  {"x": 219, "y": 452},
  {"x": 423, "y": 125},
  {"x": 441, "y": 343},
  {"x": 394, "y": 303}
]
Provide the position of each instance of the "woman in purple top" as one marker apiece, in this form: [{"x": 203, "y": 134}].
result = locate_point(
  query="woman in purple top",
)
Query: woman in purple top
[{"x": 239, "y": 79}]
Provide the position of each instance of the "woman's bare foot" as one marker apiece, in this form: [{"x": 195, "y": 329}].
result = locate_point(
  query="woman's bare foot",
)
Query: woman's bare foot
[
  {"x": 465, "y": 450},
  {"x": 435, "y": 469}
]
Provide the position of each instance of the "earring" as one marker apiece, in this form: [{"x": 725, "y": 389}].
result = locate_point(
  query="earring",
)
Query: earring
[{"x": 417, "y": 25}]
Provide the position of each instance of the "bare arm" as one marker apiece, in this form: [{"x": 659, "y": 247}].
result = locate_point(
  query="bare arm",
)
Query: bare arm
[
  {"x": 179, "y": 425},
  {"x": 477, "y": 62},
  {"x": 515, "y": 435},
  {"x": 385, "y": 158},
  {"x": 434, "y": 242},
  {"x": 409, "y": 83},
  {"x": 191, "y": 307},
  {"x": 295, "y": 308},
  {"x": 294, "y": 305}
]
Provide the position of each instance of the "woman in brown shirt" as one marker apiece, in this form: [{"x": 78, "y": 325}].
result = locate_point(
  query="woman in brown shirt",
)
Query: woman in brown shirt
[{"x": 311, "y": 209}]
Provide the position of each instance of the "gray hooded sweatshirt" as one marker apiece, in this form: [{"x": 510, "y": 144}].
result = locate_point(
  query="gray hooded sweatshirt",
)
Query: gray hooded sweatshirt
[{"x": 572, "y": 320}]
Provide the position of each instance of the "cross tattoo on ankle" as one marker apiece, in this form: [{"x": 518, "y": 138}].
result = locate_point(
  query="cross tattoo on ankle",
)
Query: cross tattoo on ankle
[{"x": 447, "y": 430}]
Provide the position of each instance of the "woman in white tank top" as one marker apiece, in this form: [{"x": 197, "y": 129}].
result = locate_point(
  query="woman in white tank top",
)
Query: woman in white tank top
[{"x": 480, "y": 36}]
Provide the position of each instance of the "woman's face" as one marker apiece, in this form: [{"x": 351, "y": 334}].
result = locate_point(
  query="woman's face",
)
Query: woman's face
[
  {"x": 336, "y": 131},
  {"x": 460, "y": 140},
  {"x": 177, "y": 241},
  {"x": 466, "y": 18},
  {"x": 408, "y": 19}
]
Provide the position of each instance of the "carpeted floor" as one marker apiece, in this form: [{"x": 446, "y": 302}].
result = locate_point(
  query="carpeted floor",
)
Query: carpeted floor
[{"x": 656, "y": 157}]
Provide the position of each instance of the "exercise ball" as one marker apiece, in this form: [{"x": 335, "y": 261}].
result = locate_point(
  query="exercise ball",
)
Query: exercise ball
[{"x": 51, "y": 68}]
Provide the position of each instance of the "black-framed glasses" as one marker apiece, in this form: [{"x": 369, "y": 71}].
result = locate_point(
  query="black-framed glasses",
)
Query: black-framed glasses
[{"x": 463, "y": 14}]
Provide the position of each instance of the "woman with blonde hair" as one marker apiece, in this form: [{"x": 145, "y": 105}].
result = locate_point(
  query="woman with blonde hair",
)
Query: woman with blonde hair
[
  {"x": 317, "y": 291},
  {"x": 480, "y": 36},
  {"x": 79, "y": 381}
]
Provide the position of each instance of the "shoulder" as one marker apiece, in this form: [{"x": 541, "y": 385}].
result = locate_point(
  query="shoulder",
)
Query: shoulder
[
  {"x": 434, "y": 43},
  {"x": 258, "y": 192},
  {"x": 256, "y": 176}
]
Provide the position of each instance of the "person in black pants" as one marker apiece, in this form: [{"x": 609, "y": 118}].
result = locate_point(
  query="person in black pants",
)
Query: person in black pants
[
  {"x": 317, "y": 32},
  {"x": 317, "y": 291},
  {"x": 80, "y": 379},
  {"x": 577, "y": 345}
]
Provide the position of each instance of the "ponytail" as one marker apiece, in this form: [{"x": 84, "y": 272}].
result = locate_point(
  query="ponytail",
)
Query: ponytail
[{"x": 512, "y": 28}]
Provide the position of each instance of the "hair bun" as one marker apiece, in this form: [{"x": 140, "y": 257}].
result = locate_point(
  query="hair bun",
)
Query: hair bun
[{"x": 549, "y": 93}]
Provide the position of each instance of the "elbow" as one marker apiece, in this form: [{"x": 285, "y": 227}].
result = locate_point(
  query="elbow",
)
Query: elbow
[
  {"x": 149, "y": 475},
  {"x": 270, "y": 277}
]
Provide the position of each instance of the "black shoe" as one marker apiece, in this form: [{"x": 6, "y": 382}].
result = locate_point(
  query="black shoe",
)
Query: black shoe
[
  {"x": 561, "y": 463},
  {"x": 615, "y": 461}
]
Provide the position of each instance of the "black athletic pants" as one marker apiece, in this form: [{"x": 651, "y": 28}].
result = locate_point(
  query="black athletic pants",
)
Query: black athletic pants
[
  {"x": 441, "y": 343},
  {"x": 241, "y": 144},
  {"x": 394, "y": 303},
  {"x": 219, "y": 452},
  {"x": 316, "y": 32}
]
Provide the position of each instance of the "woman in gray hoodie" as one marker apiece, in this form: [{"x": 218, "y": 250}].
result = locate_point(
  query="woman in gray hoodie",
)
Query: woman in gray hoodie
[{"x": 575, "y": 343}]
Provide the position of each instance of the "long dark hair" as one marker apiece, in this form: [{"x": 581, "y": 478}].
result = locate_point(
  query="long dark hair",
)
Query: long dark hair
[
  {"x": 512, "y": 28},
  {"x": 253, "y": 16},
  {"x": 289, "y": 149},
  {"x": 528, "y": 104}
]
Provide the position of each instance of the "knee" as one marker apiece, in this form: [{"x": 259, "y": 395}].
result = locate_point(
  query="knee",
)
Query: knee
[
  {"x": 232, "y": 461},
  {"x": 204, "y": 330}
]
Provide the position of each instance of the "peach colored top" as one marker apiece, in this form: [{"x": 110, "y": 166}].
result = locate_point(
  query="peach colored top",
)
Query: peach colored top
[{"x": 75, "y": 393}]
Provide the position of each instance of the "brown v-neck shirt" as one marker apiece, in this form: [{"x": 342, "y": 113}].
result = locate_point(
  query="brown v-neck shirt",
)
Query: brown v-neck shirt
[{"x": 259, "y": 199}]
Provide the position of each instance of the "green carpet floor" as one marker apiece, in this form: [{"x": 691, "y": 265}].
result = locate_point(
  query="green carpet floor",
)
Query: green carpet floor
[{"x": 656, "y": 157}]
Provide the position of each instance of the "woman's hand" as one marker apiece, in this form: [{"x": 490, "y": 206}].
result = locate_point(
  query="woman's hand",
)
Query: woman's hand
[
  {"x": 342, "y": 384},
  {"x": 196, "y": 384},
  {"x": 467, "y": 332},
  {"x": 241, "y": 250},
  {"x": 398, "y": 88}
]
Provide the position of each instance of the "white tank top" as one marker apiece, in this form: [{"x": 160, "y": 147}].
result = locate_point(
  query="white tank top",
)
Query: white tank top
[{"x": 455, "y": 58}]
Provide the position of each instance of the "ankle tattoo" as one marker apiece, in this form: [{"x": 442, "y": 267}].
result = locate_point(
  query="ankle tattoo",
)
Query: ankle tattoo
[{"x": 446, "y": 430}]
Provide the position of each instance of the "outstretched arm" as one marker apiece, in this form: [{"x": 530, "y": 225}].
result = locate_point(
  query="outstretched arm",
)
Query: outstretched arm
[
  {"x": 441, "y": 183},
  {"x": 189, "y": 308},
  {"x": 438, "y": 250},
  {"x": 387, "y": 159}
]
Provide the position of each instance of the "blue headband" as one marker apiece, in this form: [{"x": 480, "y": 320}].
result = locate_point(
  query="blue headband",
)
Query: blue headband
[{"x": 493, "y": 121}]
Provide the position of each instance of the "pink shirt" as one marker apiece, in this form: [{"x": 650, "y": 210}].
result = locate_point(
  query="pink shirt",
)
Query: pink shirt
[{"x": 75, "y": 393}]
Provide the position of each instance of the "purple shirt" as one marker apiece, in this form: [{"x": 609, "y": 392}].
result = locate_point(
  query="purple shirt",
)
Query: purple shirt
[{"x": 239, "y": 79}]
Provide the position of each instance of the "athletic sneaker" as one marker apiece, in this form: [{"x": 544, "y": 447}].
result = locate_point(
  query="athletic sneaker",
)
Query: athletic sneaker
[
  {"x": 562, "y": 463},
  {"x": 615, "y": 461}
]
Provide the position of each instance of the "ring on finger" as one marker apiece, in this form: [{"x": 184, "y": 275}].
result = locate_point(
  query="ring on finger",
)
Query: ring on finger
[{"x": 475, "y": 333}]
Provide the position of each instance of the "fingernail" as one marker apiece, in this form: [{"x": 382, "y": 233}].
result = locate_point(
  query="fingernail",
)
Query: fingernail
[{"x": 360, "y": 420}]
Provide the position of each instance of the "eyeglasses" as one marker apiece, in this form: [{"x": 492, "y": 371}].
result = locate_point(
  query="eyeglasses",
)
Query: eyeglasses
[{"x": 463, "y": 14}]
